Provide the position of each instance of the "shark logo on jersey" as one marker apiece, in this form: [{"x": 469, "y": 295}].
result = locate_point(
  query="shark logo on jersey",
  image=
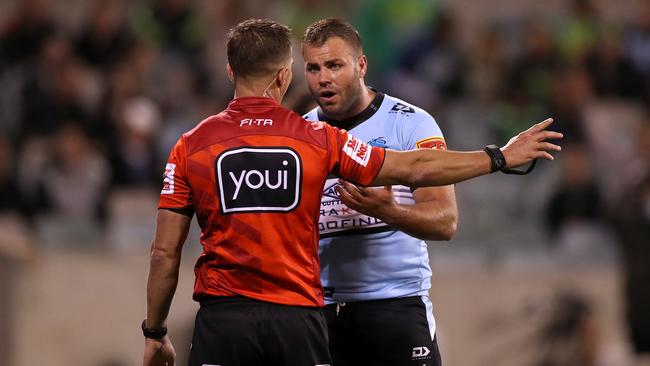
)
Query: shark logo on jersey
[
  {"x": 378, "y": 142},
  {"x": 402, "y": 108}
]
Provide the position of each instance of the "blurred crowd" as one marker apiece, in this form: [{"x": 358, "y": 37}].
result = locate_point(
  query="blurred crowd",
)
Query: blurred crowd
[
  {"x": 92, "y": 101},
  {"x": 94, "y": 104}
]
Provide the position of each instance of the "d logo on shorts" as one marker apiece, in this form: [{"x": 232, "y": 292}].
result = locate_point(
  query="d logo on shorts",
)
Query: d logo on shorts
[{"x": 263, "y": 179}]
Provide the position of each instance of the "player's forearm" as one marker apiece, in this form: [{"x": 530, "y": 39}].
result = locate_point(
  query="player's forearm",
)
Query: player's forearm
[
  {"x": 161, "y": 286},
  {"x": 425, "y": 220},
  {"x": 424, "y": 168}
]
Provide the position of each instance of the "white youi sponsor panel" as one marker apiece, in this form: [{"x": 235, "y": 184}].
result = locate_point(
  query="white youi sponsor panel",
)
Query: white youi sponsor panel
[{"x": 259, "y": 179}]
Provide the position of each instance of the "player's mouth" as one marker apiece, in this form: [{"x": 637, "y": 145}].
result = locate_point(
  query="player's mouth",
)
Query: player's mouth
[{"x": 327, "y": 96}]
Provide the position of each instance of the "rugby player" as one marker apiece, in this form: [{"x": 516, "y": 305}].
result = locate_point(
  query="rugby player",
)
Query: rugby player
[
  {"x": 374, "y": 262},
  {"x": 253, "y": 175}
]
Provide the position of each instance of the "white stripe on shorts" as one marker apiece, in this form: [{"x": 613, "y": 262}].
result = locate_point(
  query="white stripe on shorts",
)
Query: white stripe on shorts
[{"x": 430, "y": 319}]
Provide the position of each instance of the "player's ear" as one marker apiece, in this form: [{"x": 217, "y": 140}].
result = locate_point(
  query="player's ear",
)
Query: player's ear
[
  {"x": 284, "y": 76},
  {"x": 362, "y": 62},
  {"x": 283, "y": 79},
  {"x": 231, "y": 75}
]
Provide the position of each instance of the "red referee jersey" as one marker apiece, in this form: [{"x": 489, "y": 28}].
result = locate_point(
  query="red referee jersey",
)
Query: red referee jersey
[{"x": 254, "y": 175}]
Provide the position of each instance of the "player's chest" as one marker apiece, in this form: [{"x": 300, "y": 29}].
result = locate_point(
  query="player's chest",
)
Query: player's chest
[{"x": 384, "y": 134}]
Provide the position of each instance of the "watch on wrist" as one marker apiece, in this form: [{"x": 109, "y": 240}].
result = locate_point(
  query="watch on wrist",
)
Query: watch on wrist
[
  {"x": 153, "y": 333},
  {"x": 498, "y": 162}
]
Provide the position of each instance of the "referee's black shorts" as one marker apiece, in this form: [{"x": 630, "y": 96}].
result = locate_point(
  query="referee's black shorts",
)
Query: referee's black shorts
[
  {"x": 390, "y": 332},
  {"x": 237, "y": 331}
]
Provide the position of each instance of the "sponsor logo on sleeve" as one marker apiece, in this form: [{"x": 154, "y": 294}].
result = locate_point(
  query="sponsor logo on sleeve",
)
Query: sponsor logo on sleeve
[
  {"x": 437, "y": 143},
  {"x": 357, "y": 150},
  {"x": 258, "y": 180},
  {"x": 402, "y": 108},
  {"x": 168, "y": 179}
]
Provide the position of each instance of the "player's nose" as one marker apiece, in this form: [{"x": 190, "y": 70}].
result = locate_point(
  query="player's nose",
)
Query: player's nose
[{"x": 324, "y": 77}]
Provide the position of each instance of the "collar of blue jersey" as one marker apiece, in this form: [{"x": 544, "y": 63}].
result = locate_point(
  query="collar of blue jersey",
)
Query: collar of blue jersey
[{"x": 352, "y": 122}]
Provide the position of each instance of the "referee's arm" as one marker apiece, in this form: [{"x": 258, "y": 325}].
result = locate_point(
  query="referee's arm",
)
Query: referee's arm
[
  {"x": 171, "y": 232},
  {"x": 428, "y": 167}
]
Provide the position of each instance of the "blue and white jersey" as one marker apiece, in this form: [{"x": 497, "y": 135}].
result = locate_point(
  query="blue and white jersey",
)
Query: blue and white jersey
[{"x": 361, "y": 257}]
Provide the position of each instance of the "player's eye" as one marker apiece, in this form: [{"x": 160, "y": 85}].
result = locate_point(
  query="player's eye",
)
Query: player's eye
[
  {"x": 312, "y": 68},
  {"x": 335, "y": 66}
]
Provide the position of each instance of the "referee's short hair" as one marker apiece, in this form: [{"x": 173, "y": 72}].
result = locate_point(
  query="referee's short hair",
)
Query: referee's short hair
[
  {"x": 257, "y": 47},
  {"x": 322, "y": 30}
]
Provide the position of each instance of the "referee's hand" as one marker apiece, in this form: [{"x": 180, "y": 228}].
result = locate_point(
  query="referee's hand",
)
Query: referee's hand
[
  {"x": 159, "y": 352},
  {"x": 531, "y": 144}
]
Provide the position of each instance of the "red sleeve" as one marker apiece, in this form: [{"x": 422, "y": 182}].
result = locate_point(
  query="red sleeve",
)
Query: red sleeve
[
  {"x": 176, "y": 193},
  {"x": 353, "y": 159}
]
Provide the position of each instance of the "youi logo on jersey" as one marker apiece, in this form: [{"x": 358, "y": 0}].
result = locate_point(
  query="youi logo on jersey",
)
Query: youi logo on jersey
[{"x": 258, "y": 179}]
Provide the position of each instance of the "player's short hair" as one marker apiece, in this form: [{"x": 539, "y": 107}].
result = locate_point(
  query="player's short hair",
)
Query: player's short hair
[
  {"x": 257, "y": 47},
  {"x": 322, "y": 30}
]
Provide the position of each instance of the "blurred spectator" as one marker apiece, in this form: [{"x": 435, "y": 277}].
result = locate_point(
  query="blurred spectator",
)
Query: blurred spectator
[
  {"x": 434, "y": 55},
  {"x": 298, "y": 14},
  {"x": 637, "y": 46},
  {"x": 612, "y": 74},
  {"x": 75, "y": 181},
  {"x": 26, "y": 31},
  {"x": 579, "y": 32},
  {"x": 105, "y": 37},
  {"x": 571, "y": 91},
  {"x": 136, "y": 162},
  {"x": 577, "y": 197},
  {"x": 631, "y": 219},
  {"x": 9, "y": 193},
  {"x": 569, "y": 336},
  {"x": 54, "y": 89},
  {"x": 487, "y": 69},
  {"x": 533, "y": 71},
  {"x": 383, "y": 24},
  {"x": 172, "y": 25}
]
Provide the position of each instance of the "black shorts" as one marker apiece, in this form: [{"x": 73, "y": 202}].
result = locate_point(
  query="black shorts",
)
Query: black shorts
[
  {"x": 236, "y": 331},
  {"x": 391, "y": 332}
]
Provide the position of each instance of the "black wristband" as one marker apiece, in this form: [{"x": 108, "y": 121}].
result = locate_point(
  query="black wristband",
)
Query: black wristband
[
  {"x": 153, "y": 333},
  {"x": 498, "y": 161}
]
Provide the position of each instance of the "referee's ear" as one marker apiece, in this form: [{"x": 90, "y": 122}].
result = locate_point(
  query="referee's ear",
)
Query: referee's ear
[
  {"x": 362, "y": 62},
  {"x": 231, "y": 74}
]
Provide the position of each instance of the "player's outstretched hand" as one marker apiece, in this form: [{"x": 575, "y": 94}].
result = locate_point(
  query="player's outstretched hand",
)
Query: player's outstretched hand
[
  {"x": 531, "y": 144},
  {"x": 159, "y": 352}
]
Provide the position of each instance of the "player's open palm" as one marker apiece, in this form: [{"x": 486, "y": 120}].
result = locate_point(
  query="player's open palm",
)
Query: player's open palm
[
  {"x": 531, "y": 144},
  {"x": 159, "y": 352},
  {"x": 372, "y": 201}
]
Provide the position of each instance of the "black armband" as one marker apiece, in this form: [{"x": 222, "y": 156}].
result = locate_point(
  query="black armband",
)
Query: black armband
[{"x": 153, "y": 333}]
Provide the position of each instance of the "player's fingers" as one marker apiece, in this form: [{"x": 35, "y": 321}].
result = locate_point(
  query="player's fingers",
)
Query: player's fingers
[
  {"x": 542, "y": 125},
  {"x": 549, "y": 135},
  {"x": 544, "y": 155},
  {"x": 346, "y": 196},
  {"x": 352, "y": 189},
  {"x": 349, "y": 201},
  {"x": 550, "y": 147},
  {"x": 362, "y": 190}
]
